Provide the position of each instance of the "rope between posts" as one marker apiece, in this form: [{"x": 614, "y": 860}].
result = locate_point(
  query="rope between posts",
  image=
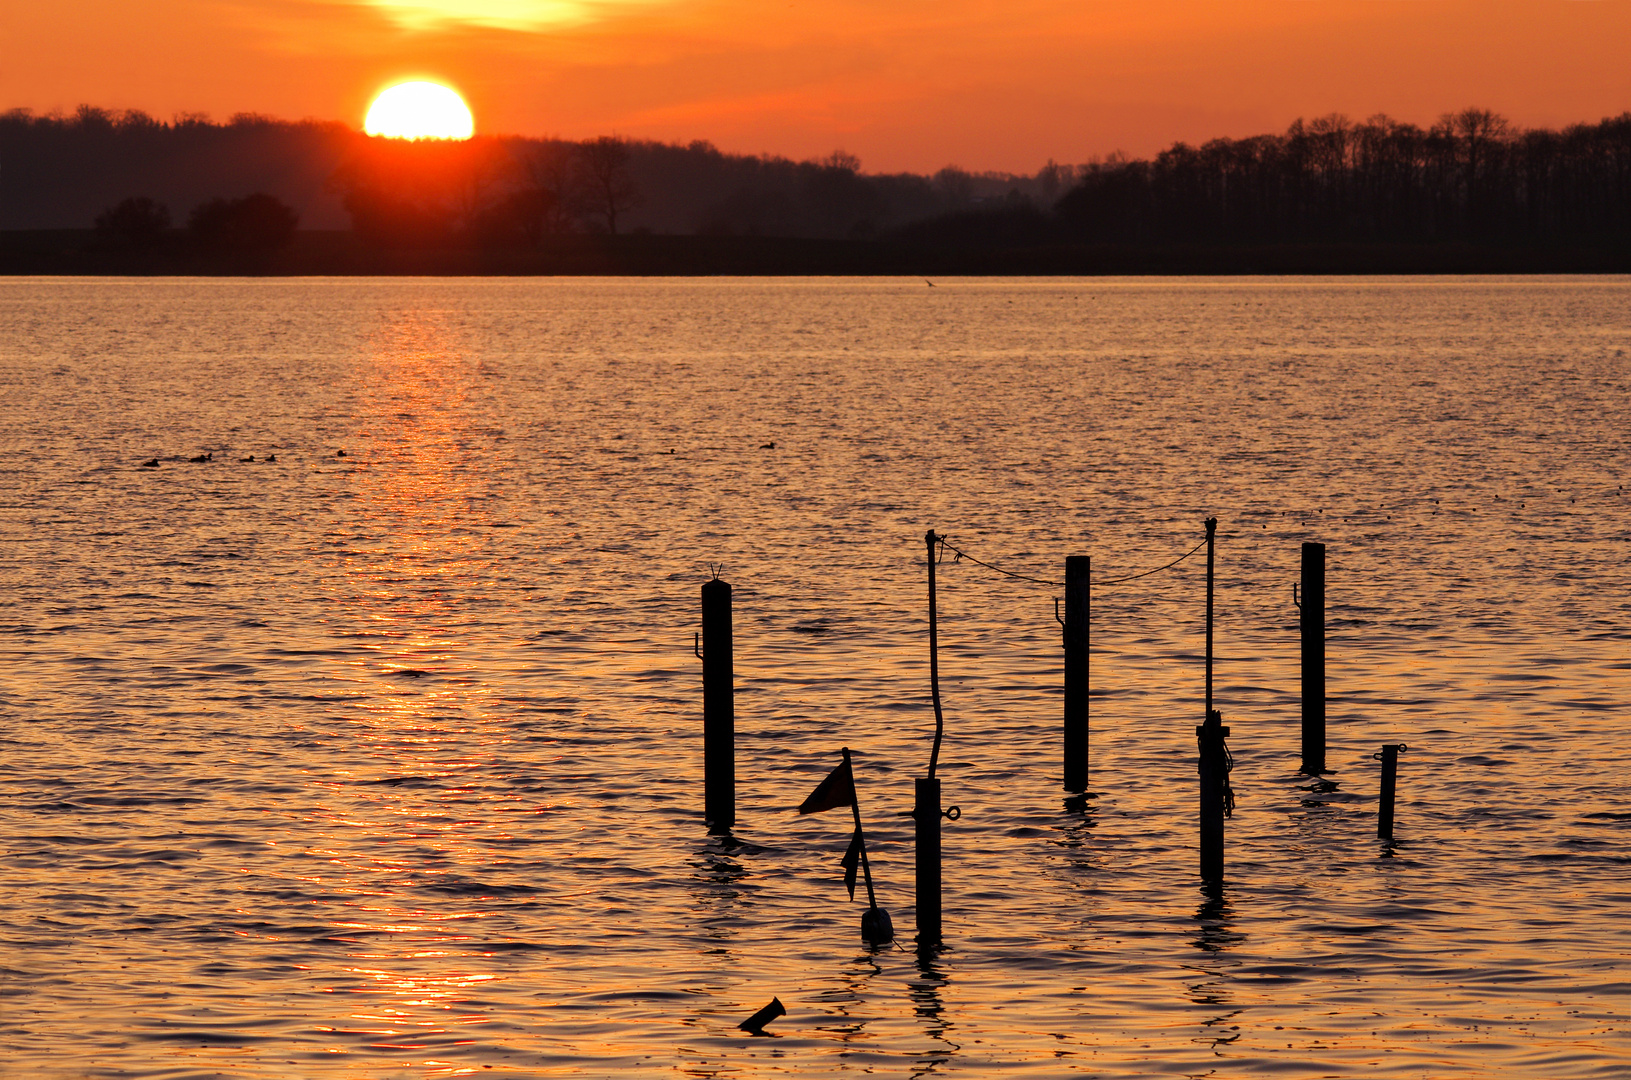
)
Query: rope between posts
[{"x": 961, "y": 554}]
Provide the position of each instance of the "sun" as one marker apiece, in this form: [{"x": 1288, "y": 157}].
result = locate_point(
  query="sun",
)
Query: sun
[{"x": 419, "y": 110}]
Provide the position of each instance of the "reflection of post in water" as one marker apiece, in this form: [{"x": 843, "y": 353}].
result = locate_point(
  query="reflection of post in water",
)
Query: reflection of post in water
[
  {"x": 718, "y": 882},
  {"x": 930, "y": 1007},
  {"x": 1216, "y": 919}
]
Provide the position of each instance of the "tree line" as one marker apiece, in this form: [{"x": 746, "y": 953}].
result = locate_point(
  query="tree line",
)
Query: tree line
[
  {"x": 1472, "y": 176},
  {"x": 62, "y": 171}
]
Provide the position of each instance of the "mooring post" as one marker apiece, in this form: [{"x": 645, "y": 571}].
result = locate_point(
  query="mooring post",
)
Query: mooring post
[
  {"x": 718, "y": 708},
  {"x": 927, "y": 816},
  {"x": 1214, "y": 770},
  {"x": 1209, "y": 735},
  {"x": 1390, "y": 778},
  {"x": 1078, "y": 601},
  {"x": 1312, "y": 606}
]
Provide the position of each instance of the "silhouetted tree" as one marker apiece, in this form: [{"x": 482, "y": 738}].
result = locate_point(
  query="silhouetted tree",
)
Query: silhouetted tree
[
  {"x": 136, "y": 224},
  {"x": 254, "y": 224},
  {"x": 608, "y": 189}
]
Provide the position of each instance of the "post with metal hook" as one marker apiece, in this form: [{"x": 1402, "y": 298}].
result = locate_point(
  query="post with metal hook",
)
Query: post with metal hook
[
  {"x": 1078, "y": 601},
  {"x": 1214, "y": 755},
  {"x": 718, "y": 708},
  {"x": 1390, "y": 777},
  {"x": 926, "y": 809},
  {"x": 1312, "y": 618}
]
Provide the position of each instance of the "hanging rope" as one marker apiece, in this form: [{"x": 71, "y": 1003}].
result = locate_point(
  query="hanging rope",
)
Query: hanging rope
[{"x": 961, "y": 554}]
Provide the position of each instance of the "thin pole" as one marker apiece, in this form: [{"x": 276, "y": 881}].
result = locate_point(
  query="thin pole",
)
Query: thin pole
[
  {"x": 1078, "y": 601},
  {"x": 1211, "y": 535},
  {"x": 934, "y": 661},
  {"x": 855, "y": 805}
]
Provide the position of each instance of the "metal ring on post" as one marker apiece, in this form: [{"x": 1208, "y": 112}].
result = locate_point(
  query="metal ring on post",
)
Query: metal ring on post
[{"x": 952, "y": 813}]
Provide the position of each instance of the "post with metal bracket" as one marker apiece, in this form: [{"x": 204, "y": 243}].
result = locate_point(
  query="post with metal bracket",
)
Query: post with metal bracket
[
  {"x": 718, "y": 708},
  {"x": 1078, "y": 600},
  {"x": 1389, "y": 757},
  {"x": 1214, "y": 754},
  {"x": 1312, "y": 619},
  {"x": 1214, "y": 769},
  {"x": 927, "y": 816}
]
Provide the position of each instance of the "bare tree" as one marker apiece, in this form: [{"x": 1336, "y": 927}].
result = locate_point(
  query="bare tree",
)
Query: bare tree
[{"x": 608, "y": 189}]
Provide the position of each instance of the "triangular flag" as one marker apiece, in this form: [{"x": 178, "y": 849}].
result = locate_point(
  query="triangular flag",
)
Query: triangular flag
[
  {"x": 852, "y": 861},
  {"x": 837, "y": 790}
]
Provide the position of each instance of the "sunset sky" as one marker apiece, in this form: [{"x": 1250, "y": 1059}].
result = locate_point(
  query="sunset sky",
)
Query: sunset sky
[{"x": 905, "y": 84}]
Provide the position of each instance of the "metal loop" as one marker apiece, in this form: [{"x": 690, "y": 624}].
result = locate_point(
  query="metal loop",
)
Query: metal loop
[
  {"x": 952, "y": 813},
  {"x": 696, "y": 647}
]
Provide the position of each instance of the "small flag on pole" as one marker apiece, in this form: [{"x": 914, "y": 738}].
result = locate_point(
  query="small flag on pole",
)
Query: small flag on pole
[
  {"x": 837, "y": 790},
  {"x": 852, "y": 861}
]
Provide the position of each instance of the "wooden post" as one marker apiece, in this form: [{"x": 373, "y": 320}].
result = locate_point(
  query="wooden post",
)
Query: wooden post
[
  {"x": 1078, "y": 605},
  {"x": 1313, "y": 658},
  {"x": 1209, "y": 737},
  {"x": 1390, "y": 778},
  {"x": 718, "y": 708},
  {"x": 1214, "y": 769},
  {"x": 927, "y": 815}
]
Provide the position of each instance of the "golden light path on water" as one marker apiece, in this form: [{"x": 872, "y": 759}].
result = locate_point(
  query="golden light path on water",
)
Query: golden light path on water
[{"x": 387, "y": 764}]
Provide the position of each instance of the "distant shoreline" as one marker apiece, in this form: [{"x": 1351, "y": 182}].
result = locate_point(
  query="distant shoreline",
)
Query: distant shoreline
[{"x": 72, "y": 252}]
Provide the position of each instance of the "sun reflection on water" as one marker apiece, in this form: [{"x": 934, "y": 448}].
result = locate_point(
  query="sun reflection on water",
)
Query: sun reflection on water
[{"x": 420, "y": 815}]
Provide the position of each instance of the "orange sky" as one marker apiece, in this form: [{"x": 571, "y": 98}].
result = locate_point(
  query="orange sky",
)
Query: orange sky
[{"x": 905, "y": 84}]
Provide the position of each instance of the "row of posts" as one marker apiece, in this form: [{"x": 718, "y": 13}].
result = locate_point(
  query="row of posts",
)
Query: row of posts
[{"x": 1214, "y": 762}]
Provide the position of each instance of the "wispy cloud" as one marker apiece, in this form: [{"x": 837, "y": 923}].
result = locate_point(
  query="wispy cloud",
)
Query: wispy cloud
[{"x": 500, "y": 14}]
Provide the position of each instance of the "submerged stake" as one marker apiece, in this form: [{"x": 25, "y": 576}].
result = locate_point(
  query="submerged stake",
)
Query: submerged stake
[{"x": 1389, "y": 757}]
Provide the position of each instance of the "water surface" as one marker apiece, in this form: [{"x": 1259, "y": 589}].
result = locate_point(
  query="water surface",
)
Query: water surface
[{"x": 388, "y": 764}]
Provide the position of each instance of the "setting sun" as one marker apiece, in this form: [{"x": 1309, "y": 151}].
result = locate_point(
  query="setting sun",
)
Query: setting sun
[{"x": 419, "y": 110}]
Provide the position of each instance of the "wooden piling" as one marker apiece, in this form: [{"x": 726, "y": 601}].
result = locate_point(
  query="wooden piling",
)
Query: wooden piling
[
  {"x": 1078, "y": 606},
  {"x": 1313, "y": 658},
  {"x": 1390, "y": 779},
  {"x": 1214, "y": 770},
  {"x": 718, "y": 708},
  {"x": 926, "y": 813},
  {"x": 1209, "y": 735}
]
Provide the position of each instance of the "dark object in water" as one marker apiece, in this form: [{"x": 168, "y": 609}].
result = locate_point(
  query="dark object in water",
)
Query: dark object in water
[
  {"x": 271, "y": 457},
  {"x": 714, "y": 647},
  {"x": 241, "y": 460},
  {"x": 768, "y": 446},
  {"x": 1389, "y": 757},
  {"x": 339, "y": 453},
  {"x": 876, "y": 927},
  {"x": 758, "y": 1020},
  {"x": 202, "y": 458},
  {"x": 151, "y": 463}
]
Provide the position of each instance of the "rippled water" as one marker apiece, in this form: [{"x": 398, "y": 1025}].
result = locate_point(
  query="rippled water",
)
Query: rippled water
[{"x": 388, "y": 765}]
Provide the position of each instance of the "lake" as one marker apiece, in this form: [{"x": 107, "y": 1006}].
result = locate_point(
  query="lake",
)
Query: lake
[{"x": 387, "y": 763}]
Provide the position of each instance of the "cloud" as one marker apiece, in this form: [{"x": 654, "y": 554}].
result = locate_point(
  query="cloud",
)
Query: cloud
[{"x": 524, "y": 15}]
